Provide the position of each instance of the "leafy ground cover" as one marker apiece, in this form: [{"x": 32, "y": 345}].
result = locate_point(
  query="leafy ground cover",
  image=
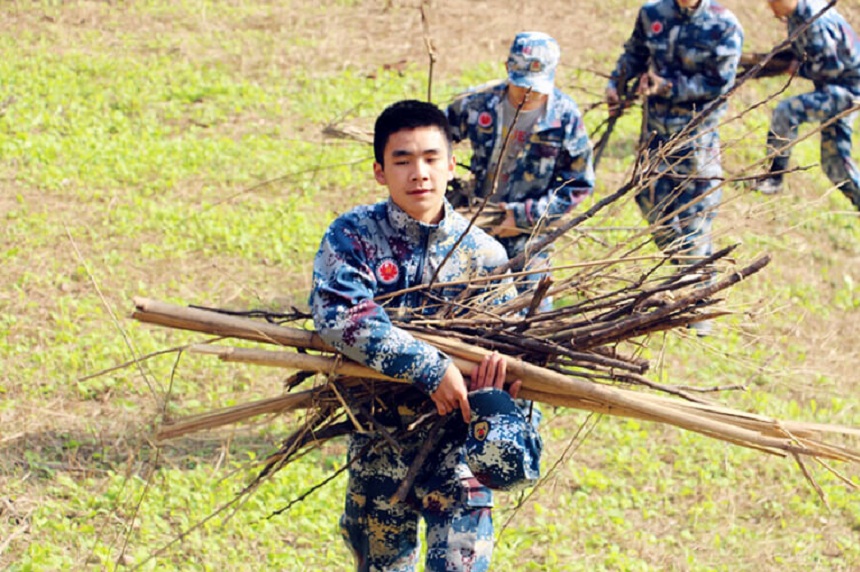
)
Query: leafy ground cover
[{"x": 175, "y": 150}]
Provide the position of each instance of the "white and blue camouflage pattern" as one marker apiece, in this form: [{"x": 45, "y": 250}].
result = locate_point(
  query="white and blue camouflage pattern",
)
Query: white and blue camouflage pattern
[
  {"x": 372, "y": 251},
  {"x": 829, "y": 52},
  {"x": 503, "y": 447},
  {"x": 554, "y": 172},
  {"x": 697, "y": 50},
  {"x": 379, "y": 249},
  {"x": 532, "y": 60}
]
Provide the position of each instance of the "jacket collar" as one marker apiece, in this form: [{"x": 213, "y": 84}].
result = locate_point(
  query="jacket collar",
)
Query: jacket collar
[{"x": 416, "y": 230}]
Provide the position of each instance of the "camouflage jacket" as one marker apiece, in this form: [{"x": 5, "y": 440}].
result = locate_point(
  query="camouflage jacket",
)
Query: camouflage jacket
[
  {"x": 696, "y": 49},
  {"x": 829, "y": 50},
  {"x": 553, "y": 173},
  {"x": 378, "y": 249}
]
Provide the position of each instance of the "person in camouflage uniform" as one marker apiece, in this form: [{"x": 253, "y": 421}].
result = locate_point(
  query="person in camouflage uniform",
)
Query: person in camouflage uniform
[
  {"x": 827, "y": 53},
  {"x": 547, "y": 169},
  {"x": 381, "y": 249},
  {"x": 685, "y": 54}
]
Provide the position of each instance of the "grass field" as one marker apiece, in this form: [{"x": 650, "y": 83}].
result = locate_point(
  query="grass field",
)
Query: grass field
[{"x": 175, "y": 150}]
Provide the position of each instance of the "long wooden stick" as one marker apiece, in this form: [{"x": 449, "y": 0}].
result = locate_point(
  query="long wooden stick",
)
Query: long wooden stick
[
  {"x": 229, "y": 415},
  {"x": 204, "y": 321},
  {"x": 553, "y": 388}
]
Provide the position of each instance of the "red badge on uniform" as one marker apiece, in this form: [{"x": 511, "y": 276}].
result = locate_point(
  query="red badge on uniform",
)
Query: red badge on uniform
[
  {"x": 387, "y": 272},
  {"x": 485, "y": 119},
  {"x": 480, "y": 430},
  {"x": 657, "y": 27}
]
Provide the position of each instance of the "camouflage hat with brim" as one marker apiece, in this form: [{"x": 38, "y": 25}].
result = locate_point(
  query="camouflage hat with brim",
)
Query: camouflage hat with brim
[
  {"x": 502, "y": 447},
  {"x": 532, "y": 61}
]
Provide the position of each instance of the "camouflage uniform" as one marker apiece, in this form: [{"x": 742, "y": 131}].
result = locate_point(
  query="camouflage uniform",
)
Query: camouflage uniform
[
  {"x": 371, "y": 251},
  {"x": 554, "y": 172},
  {"x": 829, "y": 52},
  {"x": 697, "y": 50}
]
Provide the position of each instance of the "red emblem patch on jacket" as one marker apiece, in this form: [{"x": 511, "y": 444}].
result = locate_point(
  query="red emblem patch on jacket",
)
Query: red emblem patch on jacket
[
  {"x": 485, "y": 119},
  {"x": 657, "y": 27},
  {"x": 387, "y": 272},
  {"x": 480, "y": 430}
]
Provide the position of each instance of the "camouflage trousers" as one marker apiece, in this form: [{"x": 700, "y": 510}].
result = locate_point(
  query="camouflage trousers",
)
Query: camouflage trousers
[
  {"x": 821, "y": 105},
  {"x": 383, "y": 533},
  {"x": 681, "y": 202}
]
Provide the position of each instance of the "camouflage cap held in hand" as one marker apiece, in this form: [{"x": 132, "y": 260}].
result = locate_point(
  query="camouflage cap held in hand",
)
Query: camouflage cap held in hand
[{"x": 502, "y": 447}]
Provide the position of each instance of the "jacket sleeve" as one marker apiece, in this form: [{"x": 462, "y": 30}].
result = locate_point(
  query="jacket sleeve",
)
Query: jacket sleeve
[
  {"x": 347, "y": 318},
  {"x": 458, "y": 118},
  {"x": 826, "y": 41},
  {"x": 634, "y": 60},
  {"x": 571, "y": 182},
  {"x": 716, "y": 75}
]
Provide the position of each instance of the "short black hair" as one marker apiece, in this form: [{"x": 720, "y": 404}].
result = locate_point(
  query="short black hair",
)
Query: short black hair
[{"x": 407, "y": 114}]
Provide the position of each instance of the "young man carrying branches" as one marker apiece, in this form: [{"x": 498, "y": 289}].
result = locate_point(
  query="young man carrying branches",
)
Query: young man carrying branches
[{"x": 388, "y": 249}]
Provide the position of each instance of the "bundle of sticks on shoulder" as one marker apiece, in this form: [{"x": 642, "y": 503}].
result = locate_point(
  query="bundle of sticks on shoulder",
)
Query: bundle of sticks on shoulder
[{"x": 583, "y": 354}]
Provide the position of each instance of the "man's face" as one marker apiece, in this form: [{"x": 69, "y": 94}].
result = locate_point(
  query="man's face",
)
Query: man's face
[
  {"x": 418, "y": 166},
  {"x": 782, "y": 8}
]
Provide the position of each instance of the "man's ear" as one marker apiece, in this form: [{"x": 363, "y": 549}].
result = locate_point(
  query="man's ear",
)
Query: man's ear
[
  {"x": 452, "y": 164},
  {"x": 379, "y": 173}
]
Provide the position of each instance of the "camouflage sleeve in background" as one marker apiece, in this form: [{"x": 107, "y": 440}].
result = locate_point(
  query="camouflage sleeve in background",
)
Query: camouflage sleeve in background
[
  {"x": 634, "y": 61},
  {"x": 829, "y": 50},
  {"x": 346, "y": 316}
]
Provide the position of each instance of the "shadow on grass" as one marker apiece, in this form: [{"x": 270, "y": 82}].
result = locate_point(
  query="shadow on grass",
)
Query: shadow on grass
[{"x": 42, "y": 454}]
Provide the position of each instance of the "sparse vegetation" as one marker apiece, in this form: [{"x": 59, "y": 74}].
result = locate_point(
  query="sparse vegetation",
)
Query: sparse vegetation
[{"x": 175, "y": 150}]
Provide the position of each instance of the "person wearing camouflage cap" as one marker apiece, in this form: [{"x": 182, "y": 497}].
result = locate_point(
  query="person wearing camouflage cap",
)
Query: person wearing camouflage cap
[
  {"x": 545, "y": 168},
  {"x": 827, "y": 52},
  {"x": 685, "y": 55},
  {"x": 386, "y": 249}
]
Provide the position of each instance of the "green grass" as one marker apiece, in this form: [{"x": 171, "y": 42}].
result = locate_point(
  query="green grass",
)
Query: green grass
[{"x": 174, "y": 150}]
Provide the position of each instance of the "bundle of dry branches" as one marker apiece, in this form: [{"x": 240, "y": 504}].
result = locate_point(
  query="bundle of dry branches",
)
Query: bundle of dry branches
[{"x": 573, "y": 356}]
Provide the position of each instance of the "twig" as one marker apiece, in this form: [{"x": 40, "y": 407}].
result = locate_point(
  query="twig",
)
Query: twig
[{"x": 427, "y": 447}]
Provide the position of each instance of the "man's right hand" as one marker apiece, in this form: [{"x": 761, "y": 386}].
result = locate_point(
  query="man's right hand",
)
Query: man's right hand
[
  {"x": 451, "y": 394},
  {"x": 613, "y": 101}
]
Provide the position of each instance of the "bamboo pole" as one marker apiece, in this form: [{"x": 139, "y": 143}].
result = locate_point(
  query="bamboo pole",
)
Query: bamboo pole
[
  {"x": 235, "y": 414},
  {"x": 205, "y": 321},
  {"x": 737, "y": 427}
]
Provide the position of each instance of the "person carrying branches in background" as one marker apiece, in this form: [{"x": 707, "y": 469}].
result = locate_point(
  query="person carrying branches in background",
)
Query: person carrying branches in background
[
  {"x": 827, "y": 53},
  {"x": 387, "y": 249},
  {"x": 543, "y": 159},
  {"x": 685, "y": 54}
]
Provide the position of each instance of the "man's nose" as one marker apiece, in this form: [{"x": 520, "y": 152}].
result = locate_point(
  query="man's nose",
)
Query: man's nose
[{"x": 421, "y": 171}]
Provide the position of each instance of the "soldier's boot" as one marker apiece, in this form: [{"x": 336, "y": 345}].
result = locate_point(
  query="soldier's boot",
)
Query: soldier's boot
[{"x": 769, "y": 185}]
